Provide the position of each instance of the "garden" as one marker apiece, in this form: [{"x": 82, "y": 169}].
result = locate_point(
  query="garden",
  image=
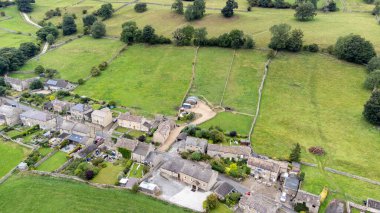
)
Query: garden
[
  {"x": 11, "y": 154},
  {"x": 53, "y": 162}
]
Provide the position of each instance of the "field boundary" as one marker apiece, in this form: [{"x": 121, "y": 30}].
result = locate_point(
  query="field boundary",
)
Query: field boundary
[
  {"x": 191, "y": 84},
  {"x": 228, "y": 78},
  {"x": 15, "y": 141},
  {"x": 266, "y": 68}
]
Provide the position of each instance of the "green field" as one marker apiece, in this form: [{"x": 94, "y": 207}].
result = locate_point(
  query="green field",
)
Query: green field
[
  {"x": 54, "y": 162},
  {"x": 340, "y": 187},
  {"x": 229, "y": 122},
  {"x": 149, "y": 79},
  {"x": 13, "y": 40},
  {"x": 316, "y": 100},
  {"x": 75, "y": 59},
  {"x": 11, "y": 155},
  {"x": 109, "y": 174},
  {"x": 47, "y": 194},
  {"x": 16, "y": 23}
]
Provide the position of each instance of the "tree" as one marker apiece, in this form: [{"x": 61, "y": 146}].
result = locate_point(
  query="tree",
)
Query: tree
[
  {"x": 4, "y": 65},
  {"x": 29, "y": 49},
  {"x": 331, "y": 6},
  {"x": 24, "y": 6},
  {"x": 295, "y": 155},
  {"x": 211, "y": 202},
  {"x": 280, "y": 36},
  {"x": 195, "y": 11},
  {"x": 3, "y": 91},
  {"x": 197, "y": 156},
  {"x": 95, "y": 71},
  {"x": 373, "y": 64},
  {"x": 372, "y": 108},
  {"x": 50, "y": 39},
  {"x": 373, "y": 80},
  {"x": 39, "y": 69},
  {"x": 135, "y": 188},
  {"x": 376, "y": 9},
  {"x": 36, "y": 84},
  {"x": 237, "y": 39},
  {"x": 129, "y": 34},
  {"x": 177, "y": 6},
  {"x": 140, "y": 7},
  {"x": 98, "y": 30},
  {"x": 305, "y": 12},
  {"x": 315, "y": 4},
  {"x": 88, "y": 20},
  {"x": 12, "y": 59},
  {"x": 249, "y": 42},
  {"x": 200, "y": 36},
  {"x": 148, "y": 35},
  {"x": 228, "y": 10},
  {"x": 354, "y": 48},
  {"x": 105, "y": 11},
  {"x": 216, "y": 136},
  {"x": 68, "y": 25},
  {"x": 80, "y": 81},
  {"x": 46, "y": 30},
  {"x": 183, "y": 36},
  {"x": 294, "y": 42}
]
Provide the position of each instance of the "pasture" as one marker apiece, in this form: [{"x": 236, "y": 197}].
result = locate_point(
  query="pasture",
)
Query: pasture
[
  {"x": 16, "y": 21},
  {"x": 230, "y": 122},
  {"x": 317, "y": 104},
  {"x": 47, "y": 194},
  {"x": 13, "y": 40},
  {"x": 11, "y": 155},
  {"x": 148, "y": 79},
  {"x": 75, "y": 59},
  {"x": 54, "y": 162}
]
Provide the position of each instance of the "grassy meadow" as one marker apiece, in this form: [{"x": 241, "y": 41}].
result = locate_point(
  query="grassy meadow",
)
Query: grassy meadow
[
  {"x": 13, "y": 40},
  {"x": 316, "y": 100},
  {"x": 16, "y": 23},
  {"x": 11, "y": 155},
  {"x": 230, "y": 122},
  {"x": 148, "y": 79},
  {"x": 75, "y": 59},
  {"x": 54, "y": 162},
  {"x": 47, "y": 194}
]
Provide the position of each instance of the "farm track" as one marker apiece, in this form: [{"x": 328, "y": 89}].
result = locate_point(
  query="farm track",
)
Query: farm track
[{"x": 28, "y": 20}]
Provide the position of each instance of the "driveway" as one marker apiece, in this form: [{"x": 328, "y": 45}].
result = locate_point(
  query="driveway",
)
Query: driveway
[{"x": 190, "y": 199}]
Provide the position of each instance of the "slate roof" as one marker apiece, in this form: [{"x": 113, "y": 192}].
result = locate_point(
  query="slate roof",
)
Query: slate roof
[
  {"x": 308, "y": 198},
  {"x": 59, "y": 103},
  {"x": 101, "y": 113},
  {"x": 82, "y": 128},
  {"x": 57, "y": 83},
  {"x": 196, "y": 171},
  {"x": 292, "y": 182},
  {"x": 375, "y": 204},
  {"x": 262, "y": 204},
  {"x": 224, "y": 189},
  {"x": 173, "y": 165},
  {"x": 237, "y": 150},
  {"x": 67, "y": 125},
  {"x": 77, "y": 138},
  {"x": 165, "y": 127},
  {"x": 81, "y": 107},
  {"x": 193, "y": 141},
  {"x": 9, "y": 111},
  {"x": 37, "y": 115},
  {"x": 142, "y": 149},
  {"x": 263, "y": 164},
  {"x": 131, "y": 118},
  {"x": 126, "y": 143}
]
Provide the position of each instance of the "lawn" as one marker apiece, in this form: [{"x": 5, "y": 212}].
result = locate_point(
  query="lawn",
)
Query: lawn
[
  {"x": 149, "y": 79},
  {"x": 230, "y": 122},
  {"x": 316, "y": 100},
  {"x": 136, "y": 171},
  {"x": 54, "y": 162},
  {"x": 11, "y": 155},
  {"x": 44, "y": 151},
  {"x": 47, "y": 194},
  {"x": 13, "y": 40},
  {"x": 16, "y": 23},
  {"x": 340, "y": 187},
  {"x": 75, "y": 59},
  {"x": 109, "y": 174}
]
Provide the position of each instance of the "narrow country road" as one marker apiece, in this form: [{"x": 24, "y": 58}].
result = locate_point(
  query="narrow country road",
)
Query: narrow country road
[
  {"x": 27, "y": 19},
  {"x": 206, "y": 114}
]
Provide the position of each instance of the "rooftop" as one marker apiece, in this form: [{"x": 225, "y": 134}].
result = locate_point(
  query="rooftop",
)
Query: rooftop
[
  {"x": 375, "y": 204},
  {"x": 292, "y": 182},
  {"x": 37, "y": 115},
  {"x": 142, "y": 149},
  {"x": 9, "y": 111},
  {"x": 308, "y": 198},
  {"x": 57, "y": 83},
  {"x": 81, "y": 108},
  {"x": 193, "y": 141},
  {"x": 131, "y": 118},
  {"x": 224, "y": 189},
  {"x": 102, "y": 113},
  {"x": 127, "y": 143},
  {"x": 263, "y": 164},
  {"x": 77, "y": 138}
]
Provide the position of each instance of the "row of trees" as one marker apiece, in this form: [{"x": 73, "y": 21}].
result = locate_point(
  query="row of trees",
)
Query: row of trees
[
  {"x": 285, "y": 39},
  {"x": 132, "y": 34},
  {"x": 11, "y": 59}
]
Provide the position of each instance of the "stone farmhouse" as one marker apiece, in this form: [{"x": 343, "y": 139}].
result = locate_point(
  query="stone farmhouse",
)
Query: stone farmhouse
[
  {"x": 236, "y": 152},
  {"x": 81, "y": 112},
  {"x": 163, "y": 131},
  {"x": 191, "y": 173},
  {"x": 56, "y": 85},
  {"x": 102, "y": 117},
  {"x": 134, "y": 122},
  {"x": 34, "y": 117},
  {"x": 10, "y": 115},
  {"x": 264, "y": 169},
  {"x": 18, "y": 84},
  {"x": 291, "y": 185},
  {"x": 60, "y": 106},
  {"x": 258, "y": 203},
  {"x": 77, "y": 132},
  {"x": 193, "y": 144},
  {"x": 312, "y": 201}
]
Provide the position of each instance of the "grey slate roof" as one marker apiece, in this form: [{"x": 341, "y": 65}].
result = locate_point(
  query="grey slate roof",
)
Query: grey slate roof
[
  {"x": 37, "y": 115},
  {"x": 375, "y": 204},
  {"x": 292, "y": 182},
  {"x": 142, "y": 149},
  {"x": 237, "y": 150},
  {"x": 224, "y": 189},
  {"x": 196, "y": 171},
  {"x": 193, "y": 141},
  {"x": 308, "y": 198},
  {"x": 9, "y": 111},
  {"x": 131, "y": 118},
  {"x": 173, "y": 165},
  {"x": 127, "y": 143},
  {"x": 82, "y": 128},
  {"x": 67, "y": 125},
  {"x": 57, "y": 83},
  {"x": 59, "y": 103},
  {"x": 81, "y": 107},
  {"x": 77, "y": 138},
  {"x": 263, "y": 164}
]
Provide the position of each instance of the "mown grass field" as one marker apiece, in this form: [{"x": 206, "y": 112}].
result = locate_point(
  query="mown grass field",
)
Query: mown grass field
[
  {"x": 149, "y": 79},
  {"x": 54, "y": 162},
  {"x": 47, "y": 194},
  {"x": 316, "y": 100},
  {"x": 75, "y": 59},
  {"x": 11, "y": 155},
  {"x": 109, "y": 174},
  {"x": 340, "y": 187},
  {"x": 230, "y": 122},
  {"x": 16, "y": 23}
]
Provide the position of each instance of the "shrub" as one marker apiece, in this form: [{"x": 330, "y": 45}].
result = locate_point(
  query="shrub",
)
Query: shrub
[
  {"x": 97, "y": 161},
  {"x": 140, "y": 7},
  {"x": 103, "y": 66},
  {"x": 233, "y": 134},
  {"x": 373, "y": 80},
  {"x": 311, "y": 48},
  {"x": 317, "y": 150},
  {"x": 124, "y": 152},
  {"x": 305, "y": 12},
  {"x": 135, "y": 188},
  {"x": 232, "y": 199},
  {"x": 98, "y": 29},
  {"x": 354, "y": 48},
  {"x": 197, "y": 156},
  {"x": 39, "y": 69},
  {"x": 95, "y": 72},
  {"x": 36, "y": 84},
  {"x": 373, "y": 64},
  {"x": 211, "y": 202},
  {"x": 372, "y": 108},
  {"x": 80, "y": 81}
]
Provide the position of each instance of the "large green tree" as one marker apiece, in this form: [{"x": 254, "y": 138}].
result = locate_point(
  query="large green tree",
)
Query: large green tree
[
  {"x": 29, "y": 49},
  {"x": 68, "y": 25},
  {"x": 88, "y": 20},
  {"x": 183, "y": 36},
  {"x": 294, "y": 43},
  {"x": 305, "y": 12},
  {"x": 177, "y": 6},
  {"x": 195, "y": 11},
  {"x": 354, "y": 48},
  {"x": 373, "y": 80},
  {"x": 373, "y": 64},
  {"x": 46, "y": 30},
  {"x": 295, "y": 155},
  {"x": 372, "y": 108},
  {"x": 148, "y": 34},
  {"x": 98, "y": 29},
  {"x": 105, "y": 11},
  {"x": 280, "y": 36},
  {"x": 130, "y": 32},
  {"x": 228, "y": 10},
  {"x": 24, "y": 6}
]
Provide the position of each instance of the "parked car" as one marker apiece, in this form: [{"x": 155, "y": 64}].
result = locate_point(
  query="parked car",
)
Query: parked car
[{"x": 283, "y": 197}]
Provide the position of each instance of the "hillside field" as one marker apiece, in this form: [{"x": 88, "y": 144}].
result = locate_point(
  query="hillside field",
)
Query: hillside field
[
  {"x": 317, "y": 101},
  {"x": 47, "y": 194},
  {"x": 11, "y": 155}
]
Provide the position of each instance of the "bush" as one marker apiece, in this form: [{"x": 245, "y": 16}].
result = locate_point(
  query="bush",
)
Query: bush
[
  {"x": 373, "y": 80},
  {"x": 135, "y": 188},
  {"x": 354, "y": 48},
  {"x": 373, "y": 64},
  {"x": 232, "y": 199},
  {"x": 39, "y": 69},
  {"x": 311, "y": 48},
  {"x": 233, "y": 134},
  {"x": 196, "y": 156},
  {"x": 36, "y": 84},
  {"x": 317, "y": 150},
  {"x": 211, "y": 202},
  {"x": 305, "y": 12},
  {"x": 97, "y": 161},
  {"x": 98, "y": 29},
  {"x": 80, "y": 81},
  {"x": 372, "y": 108},
  {"x": 103, "y": 66},
  {"x": 140, "y": 7},
  {"x": 95, "y": 72},
  {"x": 124, "y": 152}
]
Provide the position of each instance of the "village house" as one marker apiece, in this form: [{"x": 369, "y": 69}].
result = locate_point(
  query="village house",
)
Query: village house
[
  {"x": 66, "y": 126},
  {"x": 264, "y": 169},
  {"x": 291, "y": 185},
  {"x": 140, "y": 150},
  {"x": 34, "y": 117},
  {"x": 235, "y": 152},
  {"x": 258, "y": 203},
  {"x": 60, "y": 106},
  {"x": 311, "y": 201},
  {"x": 18, "y": 84},
  {"x": 191, "y": 173},
  {"x": 10, "y": 115},
  {"x": 163, "y": 131},
  {"x": 81, "y": 112},
  {"x": 134, "y": 122},
  {"x": 126, "y": 143},
  {"x": 102, "y": 117},
  {"x": 56, "y": 85},
  {"x": 193, "y": 144},
  {"x": 223, "y": 189},
  {"x": 81, "y": 134}
]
